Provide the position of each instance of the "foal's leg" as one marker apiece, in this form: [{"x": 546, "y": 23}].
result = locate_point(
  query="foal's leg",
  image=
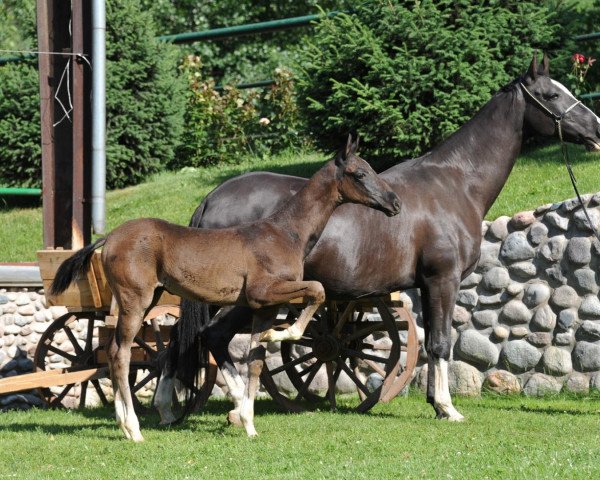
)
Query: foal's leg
[
  {"x": 314, "y": 294},
  {"x": 262, "y": 320},
  {"x": 439, "y": 297},
  {"x": 131, "y": 315}
]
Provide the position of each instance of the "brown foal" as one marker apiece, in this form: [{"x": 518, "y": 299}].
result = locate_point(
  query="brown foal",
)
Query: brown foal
[{"x": 260, "y": 265}]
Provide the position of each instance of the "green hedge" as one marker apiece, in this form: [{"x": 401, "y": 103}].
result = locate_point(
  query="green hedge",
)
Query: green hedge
[
  {"x": 145, "y": 105},
  {"x": 406, "y": 74}
]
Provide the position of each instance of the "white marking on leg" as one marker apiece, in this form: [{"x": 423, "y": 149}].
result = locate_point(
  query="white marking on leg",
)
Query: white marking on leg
[
  {"x": 291, "y": 333},
  {"x": 442, "y": 398},
  {"x": 235, "y": 385},
  {"x": 247, "y": 416}
]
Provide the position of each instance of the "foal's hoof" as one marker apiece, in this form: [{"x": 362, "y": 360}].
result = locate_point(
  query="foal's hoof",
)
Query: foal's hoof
[{"x": 233, "y": 418}]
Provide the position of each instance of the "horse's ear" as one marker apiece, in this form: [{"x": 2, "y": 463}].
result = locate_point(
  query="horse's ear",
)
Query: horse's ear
[
  {"x": 349, "y": 146},
  {"x": 355, "y": 145},
  {"x": 545, "y": 68},
  {"x": 345, "y": 152},
  {"x": 533, "y": 67}
]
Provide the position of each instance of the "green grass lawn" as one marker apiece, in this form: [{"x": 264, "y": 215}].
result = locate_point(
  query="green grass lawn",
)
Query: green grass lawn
[
  {"x": 507, "y": 437},
  {"x": 539, "y": 177}
]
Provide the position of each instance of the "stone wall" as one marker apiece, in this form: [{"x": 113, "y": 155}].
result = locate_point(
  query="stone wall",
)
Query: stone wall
[{"x": 528, "y": 318}]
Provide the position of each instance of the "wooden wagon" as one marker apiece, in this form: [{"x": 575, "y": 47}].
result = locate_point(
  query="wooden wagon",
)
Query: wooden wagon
[{"x": 344, "y": 339}]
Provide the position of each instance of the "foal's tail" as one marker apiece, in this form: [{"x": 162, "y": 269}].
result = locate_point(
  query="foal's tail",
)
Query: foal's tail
[{"x": 73, "y": 267}]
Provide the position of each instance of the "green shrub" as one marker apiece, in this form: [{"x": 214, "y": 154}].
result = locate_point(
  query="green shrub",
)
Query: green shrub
[
  {"x": 224, "y": 125},
  {"x": 20, "y": 146},
  {"x": 407, "y": 74},
  {"x": 145, "y": 105}
]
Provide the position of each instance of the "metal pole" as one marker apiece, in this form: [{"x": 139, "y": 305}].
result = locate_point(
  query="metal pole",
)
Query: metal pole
[
  {"x": 99, "y": 116},
  {"x": 260, "y": 27}
]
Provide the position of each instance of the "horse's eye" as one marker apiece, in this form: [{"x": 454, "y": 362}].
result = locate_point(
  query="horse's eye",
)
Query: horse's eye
[
  {"x": 551, "y": 96},
  {"x": 359, "y": 174}
]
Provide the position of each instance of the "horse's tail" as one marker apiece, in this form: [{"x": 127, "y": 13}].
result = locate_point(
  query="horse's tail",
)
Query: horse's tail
[
  {"x": 187, "y": 349},
  {"x": 73, "y": 267}
]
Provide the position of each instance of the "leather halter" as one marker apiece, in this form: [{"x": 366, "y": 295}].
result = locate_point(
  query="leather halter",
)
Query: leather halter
[{"x": 563, "y": 146}]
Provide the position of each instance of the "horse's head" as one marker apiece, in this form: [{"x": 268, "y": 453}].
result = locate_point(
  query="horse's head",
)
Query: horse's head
[
  {"x": 553, "y": 110},
  {"x": 358, "y": 182}
]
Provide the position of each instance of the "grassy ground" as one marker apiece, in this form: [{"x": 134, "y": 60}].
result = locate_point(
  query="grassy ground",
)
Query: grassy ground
[
  {"x": 539, "y": 177},
  {"x": 502, "y": 438}
]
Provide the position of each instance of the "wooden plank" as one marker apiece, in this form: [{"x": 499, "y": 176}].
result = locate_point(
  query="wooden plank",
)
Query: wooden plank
[
  {"x": 78, "y": 296},
  {"x": 50, "y": 378}
]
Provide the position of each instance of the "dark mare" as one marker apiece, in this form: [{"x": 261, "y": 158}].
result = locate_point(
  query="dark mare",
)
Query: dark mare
[
  {"x": 257, "y": 265},
  {"x": 433, "y": 244}
]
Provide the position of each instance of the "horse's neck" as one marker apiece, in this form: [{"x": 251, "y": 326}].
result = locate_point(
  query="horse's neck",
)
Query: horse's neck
[
  {"x": 305, "y": 215},
  {"x": 482, "y": 152}
]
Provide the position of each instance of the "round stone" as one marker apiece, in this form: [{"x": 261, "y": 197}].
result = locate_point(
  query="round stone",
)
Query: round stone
[
  {"x": 535, "y": 294},
  {"x": 495, "y": 299},
  {"x": 564, "y": 339},
  {"x": 460, "y": 316},
  {"x": 22, "y": 321},
  {"x": 539, "y": 339},
  {"x": 522, "y": 220},
  {"x": 485, "y": 225},
  {"x": 540, "y": 384},
  {"x": 27, "y": 310},
  {"x": 488, "y": 257},
  {"x": 464, "y": 379},
  {"x": 12, "y": 329},
  {"x": 579, "y": 250},
  {"x": 502, "y": 382},
  {"x": 496, "y": 278},
  {"x": 557, "y": 361},
  {"x": 586, "y": 356},
  {"x": 589, "y": 330},
  {"x": 516, "y": 248},
  {"x": 467, "y": 298},
  {"x": 578, "y": 383},
  {"x": 520, "y": 356},
  {"x": 565, "y": 297},
  {"x": 590, "y": 307},
  {"x": 515, "y": 312},
  {"x": 544, "y": 319},
  {"x": 514, "y": 289},
  {"x": 553, "y": 249},
  {"x": 485, "y": 318},
  {"x": 581, "y": 220},
  {"x": 556, "y": 275},
  {"x": 595, "y": 381},
  {"x": 471, "y": 280},
  {"x": 537, "y": 233},
  {"x": 22, "y": 299},
  {"x": 553, "y": 219},
  {"x": 585, "y": 280},
  {"x": 523, "y": 270},
  {"x": 3, "y": 299},
  {"x": 499, "y": 228},
  {"x": 567, "y": 318},
  {"x": 519, "y": 332},
  {"x": 476, "y": 349},
  {"x": 501, "y": 333}
]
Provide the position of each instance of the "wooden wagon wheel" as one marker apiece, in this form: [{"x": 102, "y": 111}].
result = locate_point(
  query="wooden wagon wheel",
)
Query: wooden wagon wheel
[
  {"x": 338, "y": 341},
  {"x": 61, "y": 349}
]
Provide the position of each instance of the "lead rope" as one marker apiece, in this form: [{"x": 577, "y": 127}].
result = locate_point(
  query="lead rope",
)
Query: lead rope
[{"x": 565, "y": 151}]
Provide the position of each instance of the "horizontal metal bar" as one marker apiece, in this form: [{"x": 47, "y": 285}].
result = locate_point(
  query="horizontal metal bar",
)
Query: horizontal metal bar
[
  {"x": 20, "y": 275},
  {"x": 20, "y": 58},
  {"x": 247, "y": 29},
  {"x": 587, "y": 36},
  {"x": 589, "y": 96},
  {"x": 22, "y": 192}
]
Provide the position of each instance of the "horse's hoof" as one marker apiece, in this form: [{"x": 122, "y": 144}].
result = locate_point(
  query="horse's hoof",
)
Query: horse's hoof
[
  {"x": 233, "y": 418},
  {"x": 456, "y": 418}
]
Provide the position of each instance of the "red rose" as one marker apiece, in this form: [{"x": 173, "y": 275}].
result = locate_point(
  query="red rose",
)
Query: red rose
[{"x": 578, "y": 58}]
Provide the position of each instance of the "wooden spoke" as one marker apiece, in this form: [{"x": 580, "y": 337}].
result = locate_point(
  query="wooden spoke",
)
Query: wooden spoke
[
  {"x": 355, "y": 379},
  {"x": 100, "y": 392},
  {"x": 370, "y": 327},
  {"x": 73, "y": 340},
  {"x": 151, "y": 351},
  {"x": 83, "y": 394},
  {"x": 363, "y": 355},
  {"x": 292, "y": 363},
  {"x": 141, "y": 384},
  {"x": 56, "y": 402},
  {"x": 313, "y": 372},
  {"x": 62, "y": 353}
]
